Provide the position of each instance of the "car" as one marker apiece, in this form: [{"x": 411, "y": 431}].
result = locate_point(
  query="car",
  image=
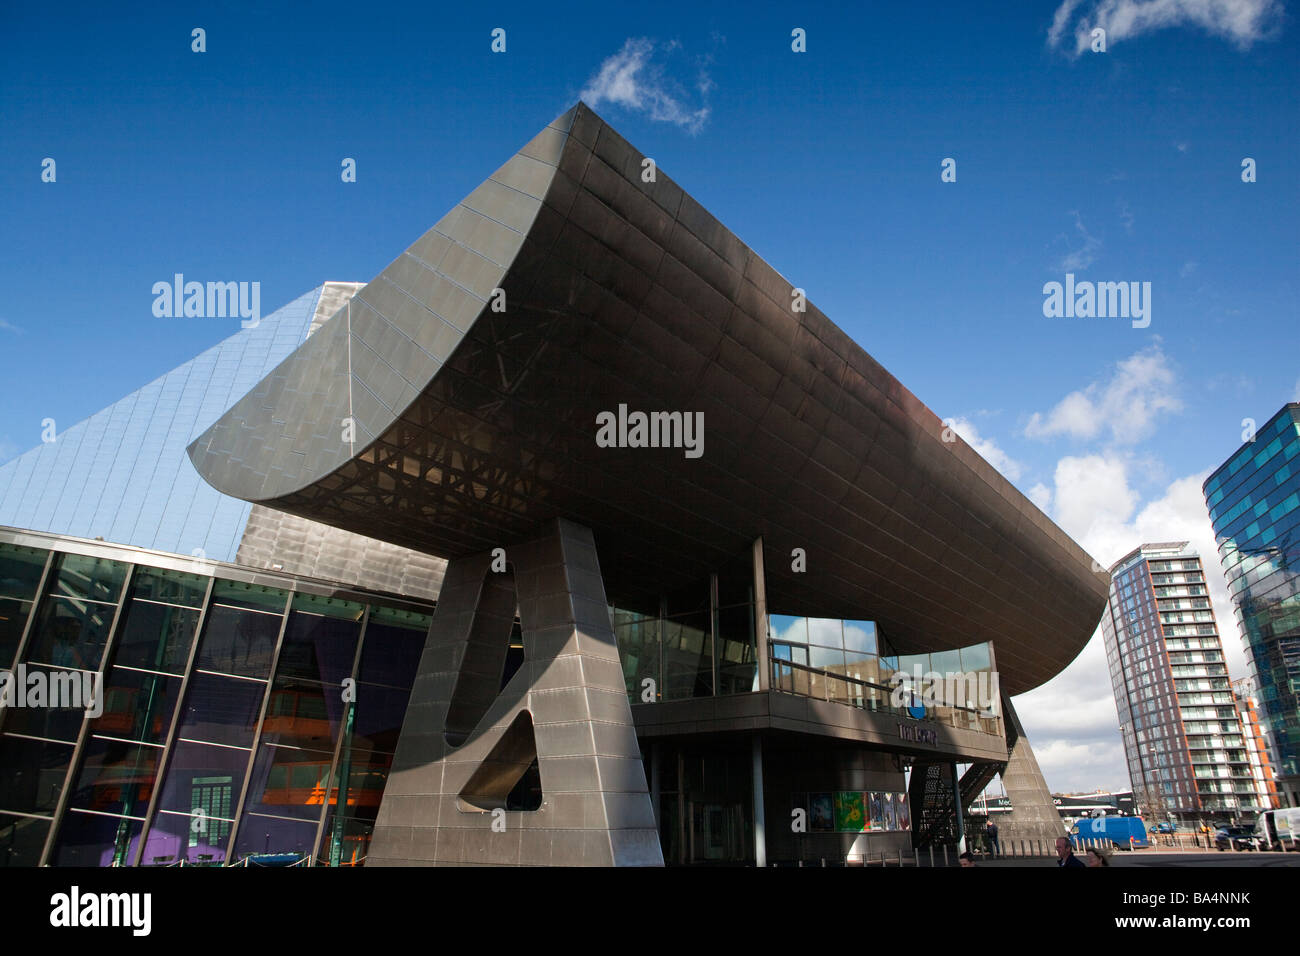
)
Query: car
[
  {"x": 1235, "y": 838},
  {"x": 1165, "y": 827}
]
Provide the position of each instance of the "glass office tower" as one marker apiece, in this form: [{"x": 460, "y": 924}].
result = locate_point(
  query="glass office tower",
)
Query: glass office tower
[
  {"x": 1182, "y": 735},
  {"x": 1254, "y": 502}
]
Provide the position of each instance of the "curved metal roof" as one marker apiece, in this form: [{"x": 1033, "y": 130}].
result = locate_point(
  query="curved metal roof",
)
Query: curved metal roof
[{"x": 473, "y": 426}]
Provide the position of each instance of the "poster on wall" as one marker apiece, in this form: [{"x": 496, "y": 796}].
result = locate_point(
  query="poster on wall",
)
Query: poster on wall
[
  {"x": 904, "y": 813},
  {"x": 850, "y": 811},
  {"x": 890, "y": 806},
  {"x": 877, "y": 810},
  {"x": 821, "y": 811}
]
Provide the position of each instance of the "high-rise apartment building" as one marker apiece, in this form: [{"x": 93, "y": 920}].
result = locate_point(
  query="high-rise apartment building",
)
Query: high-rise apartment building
[
  {"x": 1254, "y": 502},
  {"x": 1182, "y": 735}
]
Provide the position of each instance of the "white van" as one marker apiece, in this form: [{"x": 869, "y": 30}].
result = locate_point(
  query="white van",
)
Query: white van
[{"x": 1279, "y": 829}]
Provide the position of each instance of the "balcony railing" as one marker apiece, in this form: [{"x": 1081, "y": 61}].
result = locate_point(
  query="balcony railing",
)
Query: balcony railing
[{"x": 802, "y": 680}]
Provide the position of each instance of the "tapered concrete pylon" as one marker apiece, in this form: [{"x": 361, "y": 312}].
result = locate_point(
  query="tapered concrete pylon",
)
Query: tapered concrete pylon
[{"x": 464, "y": 747}]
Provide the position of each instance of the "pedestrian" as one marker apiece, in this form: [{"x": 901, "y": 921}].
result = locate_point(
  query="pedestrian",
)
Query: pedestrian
[
  {"x": 1098, "y": 856},
  {"x": 966, "y": 859},
  {"x": 1065, "y": 853},
  {"x": 991, "y": 835}
]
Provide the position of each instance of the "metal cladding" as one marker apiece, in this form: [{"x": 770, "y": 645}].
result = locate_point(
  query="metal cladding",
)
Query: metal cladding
[{"x": 475, "y": 415}]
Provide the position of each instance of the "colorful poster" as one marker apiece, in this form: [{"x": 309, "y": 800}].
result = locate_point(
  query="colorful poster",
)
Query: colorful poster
[
  {"x": 904, "y": 813},
  {"x": 890, "y": 806},
  {"x": 821, "y": 811},
  {"x": 850, "y": 811},
  {"x": 877, "y": 811}
]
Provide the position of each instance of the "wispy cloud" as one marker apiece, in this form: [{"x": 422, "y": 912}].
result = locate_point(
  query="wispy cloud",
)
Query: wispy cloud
[
  {"x": 1126, "y": 216},
  {"x": 1085, "y": 254},
  {"x": 1126, "y": 406},
  {"x": 638, "y": 77},
  {"x": 987, "y": 448},
  {"x": 7, "y": 327},
  {"x": 1241, "y": 22}
]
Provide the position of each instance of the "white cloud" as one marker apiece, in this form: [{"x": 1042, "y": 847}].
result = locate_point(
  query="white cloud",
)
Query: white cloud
[
  {"x": 1041, "y": 496},
  {"x": 1086, "y": 254},
  {"x": 987, "y": 448},
  {"x": 1071, "y": 720},
  {"x": 636, "y": 78},
  {"x": 1241, "y": 22},
  {"x": 1127, "y": 405},
  {"x": 7, "y": 327}
]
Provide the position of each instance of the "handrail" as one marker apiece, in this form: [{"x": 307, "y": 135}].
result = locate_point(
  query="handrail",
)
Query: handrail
[{"x": 868, "y": 690}]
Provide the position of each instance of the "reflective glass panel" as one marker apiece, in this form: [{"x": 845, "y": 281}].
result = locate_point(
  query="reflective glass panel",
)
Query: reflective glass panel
[
  {"x": 289, "y": 781},
  {"x": 93, "y": 579},
  {"x": 169, "y": 587},
  {"x": 13, "y": 618},
  {"x": 221, "y": 710},
  {"x": 175, "y": 837},
  {"x": 137, "y": 705},
  {"x": 319, "y": 648},
  {"x": 391, "y": 654},
  {"x": 270, "y": 840},
  {"x": 51, "y": 704},
  {"x": 237, "y": 641},
  {"x": 203, "y": 780},
  {"x": 70, "y": 633},
  {"x": 22, "y": 840},
  {"x": 33, "y": 775},
  {"x": 116, "y": 777},
  {"x": 156, "y": 636},
  {"x": 20, "y": 571},
  {"x": 89, "y": 839},
  {"x": 304, "y": 713}
]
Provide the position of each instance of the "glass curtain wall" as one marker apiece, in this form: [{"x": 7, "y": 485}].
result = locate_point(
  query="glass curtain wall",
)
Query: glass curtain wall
[
  {"x": 235, "y": 718},
  {"x": 696, "y": 643}
]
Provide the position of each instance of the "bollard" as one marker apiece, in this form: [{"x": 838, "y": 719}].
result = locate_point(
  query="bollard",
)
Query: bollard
[
  {"x": 932, "y": 855},
  {"x": 823, "y": 861},
  {"x": 945, "y": 854}
]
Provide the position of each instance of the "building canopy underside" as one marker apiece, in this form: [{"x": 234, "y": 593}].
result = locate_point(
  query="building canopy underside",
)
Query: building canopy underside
[{"x": 475, "y": 426}]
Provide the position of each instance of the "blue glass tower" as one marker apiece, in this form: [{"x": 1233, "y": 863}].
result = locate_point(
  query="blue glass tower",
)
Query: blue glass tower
[
  {"x": 123, "y": 474},
  {"x": 1254, "y": 502}
]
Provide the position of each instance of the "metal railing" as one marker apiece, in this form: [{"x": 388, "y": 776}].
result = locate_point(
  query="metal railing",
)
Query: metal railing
[{"x": 802, "y": 680}]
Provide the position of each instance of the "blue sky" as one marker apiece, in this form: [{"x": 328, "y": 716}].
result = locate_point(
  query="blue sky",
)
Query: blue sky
[{"x": 1115, "y": 166}]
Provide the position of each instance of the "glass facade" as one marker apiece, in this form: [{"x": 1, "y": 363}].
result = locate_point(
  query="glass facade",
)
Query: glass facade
[
  {"x": 851, "y": 662},
  {"x": 1182, "y": 734},
  {"x": 1254, "y": 504},
  {"x": 699, "y": 643},
  {"x": 242, "y": 720},
  {"x": 123, "y": 474}
]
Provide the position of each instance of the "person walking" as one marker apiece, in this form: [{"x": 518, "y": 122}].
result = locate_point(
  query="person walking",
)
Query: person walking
[
  {"x": 991, "y": 835},
  {"x": 1065, "y": 854}
]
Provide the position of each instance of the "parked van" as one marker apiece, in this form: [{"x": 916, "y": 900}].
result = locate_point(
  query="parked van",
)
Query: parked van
[
  {"x": 1279, "y": 829},
  {"x": 1124, "y": 832}
]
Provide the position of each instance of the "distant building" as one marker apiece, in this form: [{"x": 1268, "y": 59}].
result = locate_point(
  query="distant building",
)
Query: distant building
[
  {"x": 1257, "y": 748},
  {"x": 1254, "y": 502},
  {"x": 1186, "y": 754}
]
